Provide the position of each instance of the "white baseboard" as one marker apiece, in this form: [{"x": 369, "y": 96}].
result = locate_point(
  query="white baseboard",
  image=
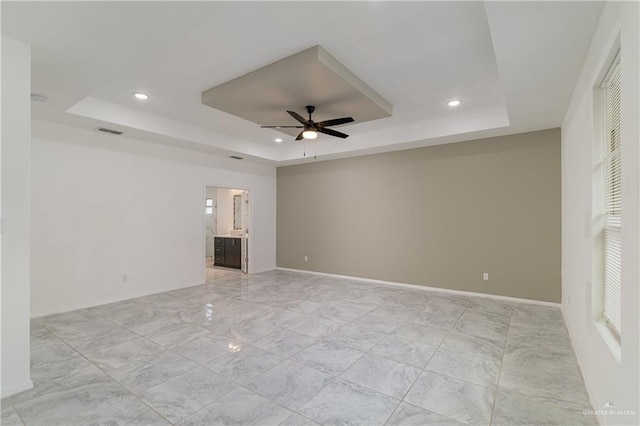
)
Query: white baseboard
[
  {"x": 427, "y": 288},
  {"x": 14, "y": 389}
]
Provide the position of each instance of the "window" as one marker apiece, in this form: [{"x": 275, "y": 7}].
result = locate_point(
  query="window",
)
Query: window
[
  {"x": 208, "y": 203},
  {"x": 612, "y": 209}
]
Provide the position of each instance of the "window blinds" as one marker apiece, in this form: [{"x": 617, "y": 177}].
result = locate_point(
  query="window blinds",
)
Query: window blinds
[{"x": 612, "y": 198}]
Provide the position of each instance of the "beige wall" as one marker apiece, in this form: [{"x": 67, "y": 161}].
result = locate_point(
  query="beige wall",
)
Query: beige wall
[{"x": 437, "y": 216}]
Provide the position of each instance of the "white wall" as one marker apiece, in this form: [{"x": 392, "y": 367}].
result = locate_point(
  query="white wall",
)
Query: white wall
[
  {"x": 16, "y": 200},
  {"x": 101, "y": 211},
  {"x": 607, "y": 379}
]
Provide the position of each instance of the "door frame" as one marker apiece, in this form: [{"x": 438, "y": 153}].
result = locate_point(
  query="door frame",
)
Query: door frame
[{"x": 250, "y": 244}]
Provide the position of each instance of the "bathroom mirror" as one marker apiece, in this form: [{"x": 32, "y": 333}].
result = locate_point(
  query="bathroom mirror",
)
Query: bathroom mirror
[{"x": 237, "y": 211}]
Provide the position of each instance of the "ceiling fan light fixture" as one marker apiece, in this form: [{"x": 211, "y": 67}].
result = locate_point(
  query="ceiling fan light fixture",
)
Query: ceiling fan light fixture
[{"x": 309, "y": 134}]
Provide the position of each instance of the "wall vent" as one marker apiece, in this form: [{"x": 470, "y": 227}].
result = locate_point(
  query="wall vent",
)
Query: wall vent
[
  {"x": 110, "y": 131},
  {"x": 235, "y": 157}
]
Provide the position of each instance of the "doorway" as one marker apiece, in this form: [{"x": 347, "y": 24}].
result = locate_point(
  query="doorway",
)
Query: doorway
[{"x": 226, "y": 227}]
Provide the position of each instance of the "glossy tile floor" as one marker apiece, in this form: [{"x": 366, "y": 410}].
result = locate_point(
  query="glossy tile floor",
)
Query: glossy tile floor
[{"x": 297, "y": 349}]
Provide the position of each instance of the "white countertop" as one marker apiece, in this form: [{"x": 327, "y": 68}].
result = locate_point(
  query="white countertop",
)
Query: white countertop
[{"x": 226, "y": 236}]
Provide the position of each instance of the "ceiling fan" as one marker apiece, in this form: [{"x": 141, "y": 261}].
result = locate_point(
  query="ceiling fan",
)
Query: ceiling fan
[{"x": 310, "y": 128}]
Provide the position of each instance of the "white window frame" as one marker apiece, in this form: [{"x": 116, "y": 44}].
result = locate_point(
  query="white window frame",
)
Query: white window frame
[
  {"x": 208, "y": 203},
  {"x": 607, "y": 199}
]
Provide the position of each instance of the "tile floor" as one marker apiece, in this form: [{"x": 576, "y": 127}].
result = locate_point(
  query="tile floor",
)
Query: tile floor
[{"x": 283, "y": 348}]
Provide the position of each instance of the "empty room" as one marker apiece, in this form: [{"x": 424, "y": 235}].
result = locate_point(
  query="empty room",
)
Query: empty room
[{"x": 320, "y": 213}]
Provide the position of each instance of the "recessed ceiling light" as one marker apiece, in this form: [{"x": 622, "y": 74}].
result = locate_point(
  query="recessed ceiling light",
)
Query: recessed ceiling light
[
  {"x": 141, "y": 96},
  {"x": 454, "y": 102},
  {"x": 278, "y": 140},
  {"x": 38, "y": 97}
]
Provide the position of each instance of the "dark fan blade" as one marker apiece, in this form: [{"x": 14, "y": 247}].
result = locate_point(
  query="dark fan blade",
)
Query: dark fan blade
[
  {"x": 335, "y": 121},
  {"x": 297, "y": 117},
  {"x": 332, "y": 133},
  {"x": 282, "y": 127},
  {"x": 299, "y": 138}
]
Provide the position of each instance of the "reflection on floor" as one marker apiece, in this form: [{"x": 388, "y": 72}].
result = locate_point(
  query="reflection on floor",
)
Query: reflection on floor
[{"x": 296, "y": 349}]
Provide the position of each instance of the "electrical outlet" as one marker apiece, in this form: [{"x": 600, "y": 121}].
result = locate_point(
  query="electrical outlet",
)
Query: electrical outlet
[
  {"x": 306, "y": 258},
  {"x": 485, "y": 276}
]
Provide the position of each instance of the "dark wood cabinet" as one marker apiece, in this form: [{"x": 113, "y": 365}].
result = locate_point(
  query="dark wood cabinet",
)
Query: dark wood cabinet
[{"x": 228, "y": 252}]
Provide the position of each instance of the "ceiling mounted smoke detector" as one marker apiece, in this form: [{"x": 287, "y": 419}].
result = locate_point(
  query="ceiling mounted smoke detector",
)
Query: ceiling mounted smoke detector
[{"x": 38, "y": 97}]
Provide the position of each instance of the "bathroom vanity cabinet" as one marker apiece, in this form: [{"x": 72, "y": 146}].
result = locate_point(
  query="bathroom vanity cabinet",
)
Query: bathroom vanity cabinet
[{"x": 228, "y": 252}]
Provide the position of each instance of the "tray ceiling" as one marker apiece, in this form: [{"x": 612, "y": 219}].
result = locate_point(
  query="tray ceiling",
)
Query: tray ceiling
[
  {"x": 263, "y": 96},
  {"x": 513, "y": 65}
]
